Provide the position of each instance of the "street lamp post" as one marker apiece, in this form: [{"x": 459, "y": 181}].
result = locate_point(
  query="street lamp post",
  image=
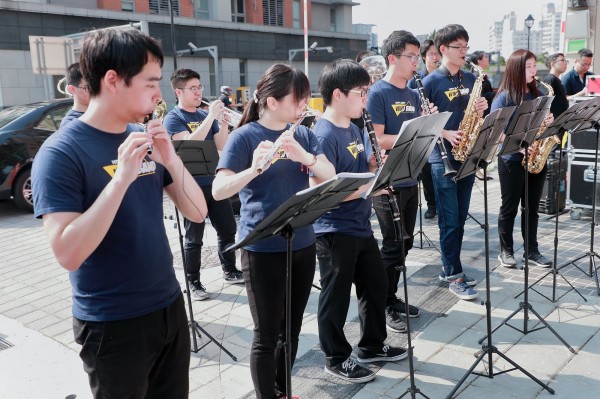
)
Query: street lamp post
[{"x": 529, "y": 23}]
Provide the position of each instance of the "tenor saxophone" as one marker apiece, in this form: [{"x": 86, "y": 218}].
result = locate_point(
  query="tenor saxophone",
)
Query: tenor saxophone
[
  {"x": 540, "y": 149},
  {"x": 471, "y": 123}
]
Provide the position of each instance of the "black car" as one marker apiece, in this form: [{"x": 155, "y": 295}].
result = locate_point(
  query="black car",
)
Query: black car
[{"x": 23, "y": 129}]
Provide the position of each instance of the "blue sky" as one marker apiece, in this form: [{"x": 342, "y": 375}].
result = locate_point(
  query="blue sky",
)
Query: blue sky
[{"x": 420, "y": 17}]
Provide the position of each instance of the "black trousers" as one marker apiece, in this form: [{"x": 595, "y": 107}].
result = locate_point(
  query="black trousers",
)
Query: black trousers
[
  {"x": 141, "y": 358},
  {"x": 344, "y": 260},
  {"x": 428, "y": 189},
  {"x": 512, "y": 187},
  {"x": 264, "y": 276},
  {"x": 222, "y": 219},
  {"x": 391, "y": 254}
]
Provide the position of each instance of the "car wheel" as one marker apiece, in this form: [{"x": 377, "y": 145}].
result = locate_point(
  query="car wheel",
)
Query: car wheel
[{"x": 23, "y": 195}]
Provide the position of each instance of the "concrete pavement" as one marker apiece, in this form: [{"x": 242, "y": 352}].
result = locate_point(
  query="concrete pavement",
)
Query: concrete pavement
[{"x": 38, "y": 358}]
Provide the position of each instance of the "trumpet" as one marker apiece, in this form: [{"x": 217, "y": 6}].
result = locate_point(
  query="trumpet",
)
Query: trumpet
[
  {"x": 230, "y": 116},
  {"x": 309, "y": 113}
]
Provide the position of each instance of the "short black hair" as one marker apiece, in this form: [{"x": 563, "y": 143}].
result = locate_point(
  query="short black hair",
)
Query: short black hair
[
  {"x": 397, "y": 42},
  {"x": 450, "y": 33},
  {"x": 182, "y": 76},
  {"x": 73, "y": 75},
  {"x": 126, "y": 51},
  {"x": 552, "y": 58},
  {"x": 364, "y": 54},
  {"x": 341, "y": 74},
  {"x": 425, "y": 47},
  {"x": 585, "y": 52}
]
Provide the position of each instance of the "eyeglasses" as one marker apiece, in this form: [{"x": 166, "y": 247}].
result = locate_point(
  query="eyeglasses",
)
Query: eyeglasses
[
  {"x": 585, "y": 64},
  {"x": 461, "y": 48},
  {"x": 84, "y": 88},
  {"x": 193, "y": 88},
  {"x": 563, "y": 60},
  {"x": 431, "y": 55},
  {"x": 413, "y": 58},
  {"x": 363, "y": 93}
]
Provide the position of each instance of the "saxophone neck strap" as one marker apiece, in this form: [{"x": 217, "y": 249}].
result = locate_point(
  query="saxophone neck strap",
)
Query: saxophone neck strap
[{"x": 444, "y": 71}]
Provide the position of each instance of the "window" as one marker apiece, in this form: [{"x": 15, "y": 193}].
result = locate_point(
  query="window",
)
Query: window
[
  {"x": 332, "y": 26},
  {"x": 52, "y": 120},
  {"x": 201, "y": 9},
  {"x": 273, "y": 12},
  {"x": 162, "y": 7},
  {"x": 243, "y": 72},
  {"x": 296, "y": 14},
  {"x": 237, "y": 11},
  {"x": 127, "y": 5}
]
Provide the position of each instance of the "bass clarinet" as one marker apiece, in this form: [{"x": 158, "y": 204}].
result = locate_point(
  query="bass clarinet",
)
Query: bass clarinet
[
  {"x": 372, "y": 138},
  {"x": 448, "y": 169}
]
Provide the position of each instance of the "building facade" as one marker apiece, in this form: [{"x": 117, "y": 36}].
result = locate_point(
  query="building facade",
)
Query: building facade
[{"x": 249, "y": 36}]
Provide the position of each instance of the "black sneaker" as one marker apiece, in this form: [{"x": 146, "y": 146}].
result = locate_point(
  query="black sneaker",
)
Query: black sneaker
[
  {"x": 198, "y": 292},
  {"x": 430, "y": 213},
  {"x": 537, "y": 259},
  {"x": 350, "y": 371},
  {"x": 400, "y": 306},
  {"x": 386, "y": 354},
  {"x": 393, "y": 320},
  {"x": 233, "y": 277},
  {"x": 507, "y": 259}
]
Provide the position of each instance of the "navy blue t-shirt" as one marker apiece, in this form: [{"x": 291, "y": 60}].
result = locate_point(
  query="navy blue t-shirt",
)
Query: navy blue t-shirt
[
  {"x": 267, "y": 191},
  {"x": 412, "y": 83},
  {"x": 449, "y": 93},
  {"x": 131, "y": 273},
  {"x": 179, "y": 120},
  {"x": 391, "y": 106},
  {"x": 572, "y": 82},
  {"x": 71, "y": 115},
  {"x": 501, "y": 101},
  {"x": 345, "y": 148}
]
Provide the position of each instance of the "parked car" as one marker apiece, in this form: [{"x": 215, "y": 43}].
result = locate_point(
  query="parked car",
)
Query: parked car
[{"x": 23, "y": 129}]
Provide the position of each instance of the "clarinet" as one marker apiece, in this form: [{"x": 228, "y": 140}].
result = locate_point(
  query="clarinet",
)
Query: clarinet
[
  {"x": 372, "y": 138},
  {"x": 448, "y": 169}
]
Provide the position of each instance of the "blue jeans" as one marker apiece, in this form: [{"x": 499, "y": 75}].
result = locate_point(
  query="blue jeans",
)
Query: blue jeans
[{"x": 452, "y": 201}]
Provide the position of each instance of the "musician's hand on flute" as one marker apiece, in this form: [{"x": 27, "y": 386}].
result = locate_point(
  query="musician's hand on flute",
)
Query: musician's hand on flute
[
  {"x": 293, "y": 149},
  {"x": 163, "y": 151},
  {"x": 264, "y": 149}
]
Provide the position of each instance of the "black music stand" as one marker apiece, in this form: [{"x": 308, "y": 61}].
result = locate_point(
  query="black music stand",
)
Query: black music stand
[
  {"x": 591, "y": 120},
  {"x": 421, "y": 233},
  {"x": 404, "y": 162},
  {"x": 485, "y": 144},
  {"x": 302, "y": 209},
  {"x": 200, "y": 158},
  {"x": 520, "y": 132},
  {"x": 570, "y": 120}
]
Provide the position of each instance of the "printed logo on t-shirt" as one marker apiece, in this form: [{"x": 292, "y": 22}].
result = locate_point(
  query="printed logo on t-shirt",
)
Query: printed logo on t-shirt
[
  {"x": 147, "y": 168},
  {"x": 355, "y": 148},
  {"x": 403, "y": 107},
  {"x": 193, "y": 125},
  {"x": 281, "y": 154},
  {"x": 455, "y": 92}
]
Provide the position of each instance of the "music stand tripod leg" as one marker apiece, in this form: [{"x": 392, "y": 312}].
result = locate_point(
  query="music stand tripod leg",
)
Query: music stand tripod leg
[
  {"x": 488, "y": 349},
  {"x": 413, "y": 390},
  {"x": 194, "y": 327}
]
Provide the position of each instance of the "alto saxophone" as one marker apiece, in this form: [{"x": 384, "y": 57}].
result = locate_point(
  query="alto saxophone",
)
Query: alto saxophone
[
  {"x": 471, "y": 123},
  {"x": 540, "y": 149}
]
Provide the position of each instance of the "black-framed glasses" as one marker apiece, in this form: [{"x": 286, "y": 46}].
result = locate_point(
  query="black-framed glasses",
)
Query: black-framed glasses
[
  {"x": 193, "y": 88},
  {"x": 85, "y": 88},
  {"x": 413, "y": 58},
  {"x": 363, "y": 93},
  {"x": 461, "y": 48}
]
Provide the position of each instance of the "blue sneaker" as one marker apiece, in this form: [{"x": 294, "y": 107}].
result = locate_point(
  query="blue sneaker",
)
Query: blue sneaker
[
  {"x": 470, "y": 281},
  {"x": 459, "y": 288}
]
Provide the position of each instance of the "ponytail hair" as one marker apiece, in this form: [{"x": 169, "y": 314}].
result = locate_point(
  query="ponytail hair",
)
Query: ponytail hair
[{"x": 278, "y": 81}]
